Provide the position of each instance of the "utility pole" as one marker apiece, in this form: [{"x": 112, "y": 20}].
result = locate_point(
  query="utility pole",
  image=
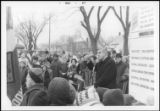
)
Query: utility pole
[{"x": 49, "y": 30}]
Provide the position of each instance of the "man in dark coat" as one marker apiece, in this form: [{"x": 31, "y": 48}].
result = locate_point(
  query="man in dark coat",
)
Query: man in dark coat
[
  {"x": 105, "y": 70},
  {"x": 55, "y": 66}
]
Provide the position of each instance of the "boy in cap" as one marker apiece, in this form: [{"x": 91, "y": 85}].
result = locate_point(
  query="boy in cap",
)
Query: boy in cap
[{"x": 34, "y": 83}]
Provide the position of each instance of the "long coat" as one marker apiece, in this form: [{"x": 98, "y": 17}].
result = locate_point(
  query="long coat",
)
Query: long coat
[
  {"x": 122, "y": 70},
  {"x": 106, "y": 74}
]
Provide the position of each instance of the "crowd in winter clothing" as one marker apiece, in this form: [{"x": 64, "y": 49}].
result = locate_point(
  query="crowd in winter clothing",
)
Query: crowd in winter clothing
[{"x": 66, "y": 80}]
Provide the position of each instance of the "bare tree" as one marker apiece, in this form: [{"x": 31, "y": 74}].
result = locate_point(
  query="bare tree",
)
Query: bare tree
[
  {"x": 126, "y": 27},
  {"x": 86, "y": 24},
  {"x": 28, "y": 32}
]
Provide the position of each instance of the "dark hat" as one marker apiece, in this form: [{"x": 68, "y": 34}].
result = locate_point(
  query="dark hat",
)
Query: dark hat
[
  {"x": 61, "y": 92},
  {"x": 113, "y": 51},
  {"x": 36, "y": 74},
  {"x": 73, "y": 60},
  {"x": 40, "y": 98},
  {"x": 113, "y": 97},
  {"x": 118, "y": 55}
]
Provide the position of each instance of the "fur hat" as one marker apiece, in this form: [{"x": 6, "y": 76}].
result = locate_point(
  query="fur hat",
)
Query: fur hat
[
  {"x": 113, "y": 97},
  {"x": 61, "y": 92}
]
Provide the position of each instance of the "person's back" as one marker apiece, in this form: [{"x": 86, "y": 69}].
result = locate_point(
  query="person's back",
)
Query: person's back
[
  {"x": 40, "y": 98},
  {"x": 29, "y": 94},
  {"x": 61, "y": 92},
  {"x": 55, "y": 66},
  {"x": 113, "y": 97}
]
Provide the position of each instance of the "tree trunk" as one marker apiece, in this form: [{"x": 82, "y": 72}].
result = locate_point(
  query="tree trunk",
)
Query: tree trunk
[
  {"x": 125, "y": 44},
  {"x": 94, "y": 46}
]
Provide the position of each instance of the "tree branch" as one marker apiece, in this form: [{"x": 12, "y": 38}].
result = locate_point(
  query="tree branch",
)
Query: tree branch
[
  {"x": 83, "y": 11},
  {"x": 127, "y": 16},
  {"x": 90, "y": 11},
  {"x": 98, "y": 15},
  {"x": 105, "y": 13},
  {"x": 86, "y": 20},
  {"x": 123, "y": 25},
  {"x": 82, "y": 23},
  {"x": 121, "y": 12}
]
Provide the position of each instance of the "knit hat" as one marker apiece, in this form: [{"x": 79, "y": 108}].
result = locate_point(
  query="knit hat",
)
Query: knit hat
[
  {"x": 36, "y": 75},
  {"x": 88, "y": 97},
  {"x": 40, "y": 98},
  {"x": 61, "y": 92},
  {"x": 113, "y": 97}
]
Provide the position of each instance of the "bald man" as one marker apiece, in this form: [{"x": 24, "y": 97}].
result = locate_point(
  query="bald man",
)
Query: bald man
[{"x": 105, "y": 70}]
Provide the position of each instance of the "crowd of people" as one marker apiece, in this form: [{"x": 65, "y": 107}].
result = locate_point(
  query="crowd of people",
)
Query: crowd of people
[{"x": 61, "y": 79}]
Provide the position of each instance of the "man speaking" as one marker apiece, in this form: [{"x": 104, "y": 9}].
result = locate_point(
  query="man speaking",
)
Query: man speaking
[{"x": 105, "y": 70}]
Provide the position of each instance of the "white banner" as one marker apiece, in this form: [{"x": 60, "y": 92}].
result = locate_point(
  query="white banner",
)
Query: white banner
[{"x": 141, "y": 78}]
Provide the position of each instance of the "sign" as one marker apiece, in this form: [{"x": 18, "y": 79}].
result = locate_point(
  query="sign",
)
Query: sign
[
  {"x": 10, "y": 76},
  {"x": 141, "y": 78},
  {"x": 13, "y": 76}
]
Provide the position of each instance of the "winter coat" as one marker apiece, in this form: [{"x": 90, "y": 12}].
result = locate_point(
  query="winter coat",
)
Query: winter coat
[
  {"x": 55, "y": 66},
  {"x": 30, "y": 93},
  {"x": 106, "y": 74},
  {"x": 122, "y": 71}
]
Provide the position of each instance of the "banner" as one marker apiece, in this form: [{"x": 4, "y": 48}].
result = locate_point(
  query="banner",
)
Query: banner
[{"x": 141, "y": 78}]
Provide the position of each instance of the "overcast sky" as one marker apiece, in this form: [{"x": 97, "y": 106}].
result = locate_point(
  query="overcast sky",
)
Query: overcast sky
[{"x": 66, "y": 19}]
